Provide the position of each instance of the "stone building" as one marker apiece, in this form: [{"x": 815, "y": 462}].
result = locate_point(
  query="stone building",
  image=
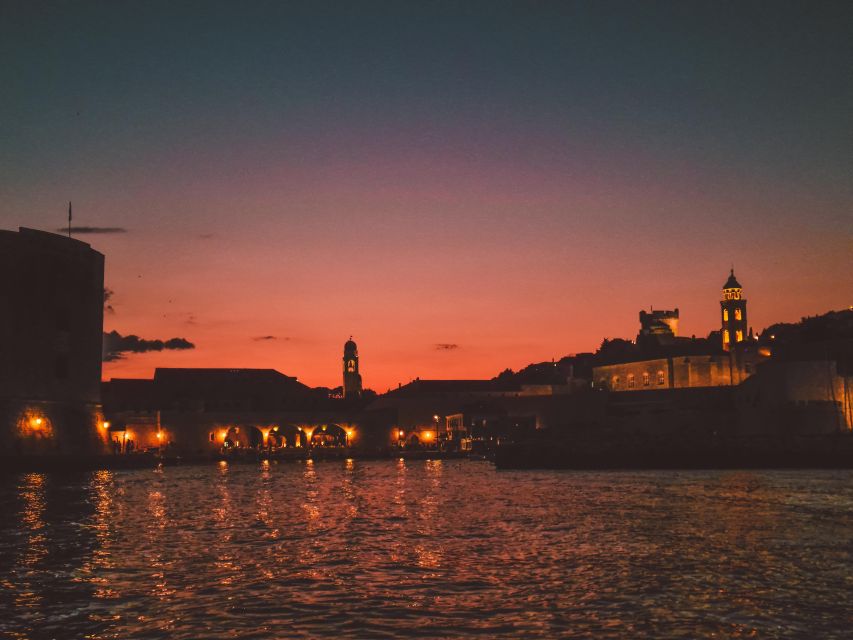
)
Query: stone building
[
  {"x": 203, "y": 411},
  {"x": 661, "y": 359},
  {"x": 673, "y": 372},
  {"x": 52, "y": 293}
]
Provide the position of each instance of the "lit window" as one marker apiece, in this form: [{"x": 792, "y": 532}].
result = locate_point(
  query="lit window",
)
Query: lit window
[
  {"x": 738, "y": 336},
  {"x": 725, "y": 315},
  {"x": 661, "y": 378},
  {"x": 725, "y": 336},
  {"x": 646, "y": 379},
  {"x": 737, "y": 314},
  {"x": 631, "y": 381},
  {"x": 615, "y": 381}
]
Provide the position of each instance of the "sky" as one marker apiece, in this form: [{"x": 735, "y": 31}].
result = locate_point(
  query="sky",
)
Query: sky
[{"x": 461, "y": 186}]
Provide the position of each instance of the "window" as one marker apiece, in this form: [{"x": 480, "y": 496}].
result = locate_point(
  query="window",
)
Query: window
[
  {"x": 738, "y": 315},
  {"x": 630, "y": 380},
  {"x": 738, "y": 336},
  {"x": 212, "y": 437},
  {"x": 725, "y": 336},
  {"x": 646, "y": 377},
  {"x": 615, "y": 381},
  {"x": 725, "y": 315},
  {"x": 661, "y": 377}
]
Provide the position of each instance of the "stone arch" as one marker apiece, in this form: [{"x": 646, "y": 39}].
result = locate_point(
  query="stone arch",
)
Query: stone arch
[
  {"x": 329, "y": 435},
  {"x": 254, "y": 437},
  {"x": 288, "y": 435}
]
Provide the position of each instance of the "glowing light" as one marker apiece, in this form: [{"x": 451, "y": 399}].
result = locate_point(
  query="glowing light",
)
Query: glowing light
[
  {"x": 350, "y": 432},
  {"x": 401, "y": 433},
  {"x": 38, "y": 421},
  {"x": 427, "y": 435},
  {"x": 435, "y": 418},
  {"x": 222, "y": 435},
  {"x": 159, "y": 435},
  {"x": 106, "y": 424}
]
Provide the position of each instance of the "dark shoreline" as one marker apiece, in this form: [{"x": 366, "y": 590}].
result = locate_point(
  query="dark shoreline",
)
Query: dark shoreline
[
  {"x": 506, "y": 458},
  {"x": 108, "y": 462}
]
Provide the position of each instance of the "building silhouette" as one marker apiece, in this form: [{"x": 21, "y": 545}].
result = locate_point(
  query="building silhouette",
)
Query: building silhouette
[
  {"x": 352, "y": 378},
  {"x": 658, "y": 326},
  {"x": 52, "y": 292}
]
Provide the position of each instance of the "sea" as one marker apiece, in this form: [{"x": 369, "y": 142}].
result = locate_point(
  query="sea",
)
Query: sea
[{"x": 425, "y": 549}]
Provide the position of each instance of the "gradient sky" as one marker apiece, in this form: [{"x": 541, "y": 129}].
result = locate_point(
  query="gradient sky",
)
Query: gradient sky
[{"x": 463, "y": 187}]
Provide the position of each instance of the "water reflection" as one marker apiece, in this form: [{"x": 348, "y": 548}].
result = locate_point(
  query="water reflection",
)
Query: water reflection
[
  {"x": 33, "y": 503},
  {"x": 430, "y": 548}
]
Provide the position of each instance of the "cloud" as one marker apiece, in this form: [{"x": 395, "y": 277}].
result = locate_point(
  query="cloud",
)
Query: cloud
[
  {"x": 263, "y": 338},
  {"x": 108, "y": 295},
  {"x": 206, "y": 236},
  {"x": 84, "y": 230},
  {"x": 446, "y": 346},
  {"x": 117, "y": 345}
]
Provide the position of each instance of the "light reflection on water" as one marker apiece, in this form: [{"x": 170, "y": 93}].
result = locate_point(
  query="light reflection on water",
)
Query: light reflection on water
[{"x": 431, "y": 549}]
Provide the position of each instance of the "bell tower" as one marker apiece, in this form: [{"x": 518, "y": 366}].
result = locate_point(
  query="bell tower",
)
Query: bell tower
[
  {"x": 733, "y": 312},
  {"x": 352, "y": 378}
]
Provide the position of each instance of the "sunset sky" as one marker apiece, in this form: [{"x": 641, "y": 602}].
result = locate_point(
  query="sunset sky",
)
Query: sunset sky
[{"x": 462, "y": 187}]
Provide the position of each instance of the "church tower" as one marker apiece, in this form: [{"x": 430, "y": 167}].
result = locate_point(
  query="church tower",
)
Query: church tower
[
  {"x": 733, "y": 310},
  {"x": 352, "y": 378}
]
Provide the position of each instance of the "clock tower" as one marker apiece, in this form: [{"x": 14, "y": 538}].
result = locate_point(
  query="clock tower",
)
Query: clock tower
[
  {"x": 733, "y": 311},
  {"x": 352, "y": 378}
]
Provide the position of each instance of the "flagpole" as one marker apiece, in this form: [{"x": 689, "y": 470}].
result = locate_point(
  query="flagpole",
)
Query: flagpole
[{"x": 69, "y": 218}]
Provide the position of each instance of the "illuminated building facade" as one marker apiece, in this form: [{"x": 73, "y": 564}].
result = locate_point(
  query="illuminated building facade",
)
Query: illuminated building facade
[
  {"x": 352, "y": 378},
  {"x": 51, "y": 328},
  {"x": 210, "y": 411},
  {"x": 733, "y": 313},
  {"x": 660, "y": 359}
]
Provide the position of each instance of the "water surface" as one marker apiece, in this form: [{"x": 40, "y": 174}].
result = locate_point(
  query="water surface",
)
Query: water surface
[{"x": 425, "y": 549}]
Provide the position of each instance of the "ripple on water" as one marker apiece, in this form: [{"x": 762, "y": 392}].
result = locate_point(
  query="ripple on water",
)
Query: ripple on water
[{"x": 423, "y": 549}]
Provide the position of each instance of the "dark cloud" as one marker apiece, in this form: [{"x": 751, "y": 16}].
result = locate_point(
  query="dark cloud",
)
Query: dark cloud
[
  {"x": 117, "y": 345},
  {"x": 178, "y": 343},
  {"x": 262, "y": 338},
  {"x": 446, "y": 346},
  {"x": 108, "y": 295},
  {"x": 84, "y": 230}
]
